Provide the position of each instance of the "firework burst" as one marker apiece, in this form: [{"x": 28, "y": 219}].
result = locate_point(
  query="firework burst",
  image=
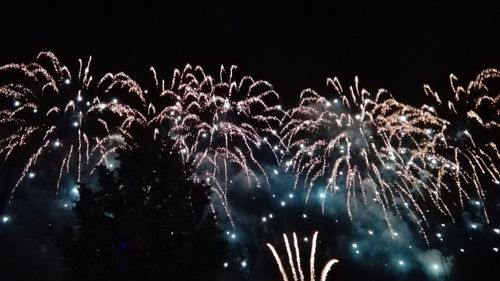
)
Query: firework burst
[
  {"x": 372, "y": 148},
  {"x": 224, "y": 127},
  {"x": 470, "y": 137},
  {"x": 46, "y": 112}
]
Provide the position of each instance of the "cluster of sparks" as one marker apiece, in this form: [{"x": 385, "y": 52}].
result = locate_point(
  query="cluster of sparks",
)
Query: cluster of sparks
[{"x": 372, "y": 148}]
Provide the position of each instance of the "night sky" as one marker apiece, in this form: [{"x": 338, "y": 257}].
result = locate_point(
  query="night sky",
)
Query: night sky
[{"x": 293, "y": 46}]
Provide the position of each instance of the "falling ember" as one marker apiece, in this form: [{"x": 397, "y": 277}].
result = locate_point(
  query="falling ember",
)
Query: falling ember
[{"x": 297, "y": 262}]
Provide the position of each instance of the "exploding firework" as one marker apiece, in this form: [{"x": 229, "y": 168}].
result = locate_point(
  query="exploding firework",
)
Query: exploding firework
[
  {"x": 223, "y": 127},
  {"x": 369, "y": 147},
  {"x": 472, "y": 111},
  {"x": 47, "y": 113},
  {"x": 292, "y": 263},
  {"x": 373, "y": 148}
]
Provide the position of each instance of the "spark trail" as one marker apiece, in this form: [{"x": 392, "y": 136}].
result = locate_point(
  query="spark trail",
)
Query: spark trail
[{"x": 297, "y": 263}]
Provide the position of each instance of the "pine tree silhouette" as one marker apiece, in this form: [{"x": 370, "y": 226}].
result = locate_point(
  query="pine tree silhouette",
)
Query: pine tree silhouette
[{"x": 147, "y": 221}]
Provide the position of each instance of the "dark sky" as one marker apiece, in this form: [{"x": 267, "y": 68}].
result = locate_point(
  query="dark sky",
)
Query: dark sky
[{"x": 294, "y": 46}]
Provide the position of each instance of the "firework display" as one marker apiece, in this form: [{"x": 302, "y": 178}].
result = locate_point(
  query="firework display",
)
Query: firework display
[
  {"x": 222, "y": 123},
  {"x": 471, "y": 134},
  {"x": 223, "y": 126},
  {"x": 363, "y": 146},
  {"x": 46, "y": 112},
  {"x": 372, "y": 147}
]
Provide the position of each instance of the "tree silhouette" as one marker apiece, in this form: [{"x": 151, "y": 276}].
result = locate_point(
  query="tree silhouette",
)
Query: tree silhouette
[{"x": 147, "y": 221}]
